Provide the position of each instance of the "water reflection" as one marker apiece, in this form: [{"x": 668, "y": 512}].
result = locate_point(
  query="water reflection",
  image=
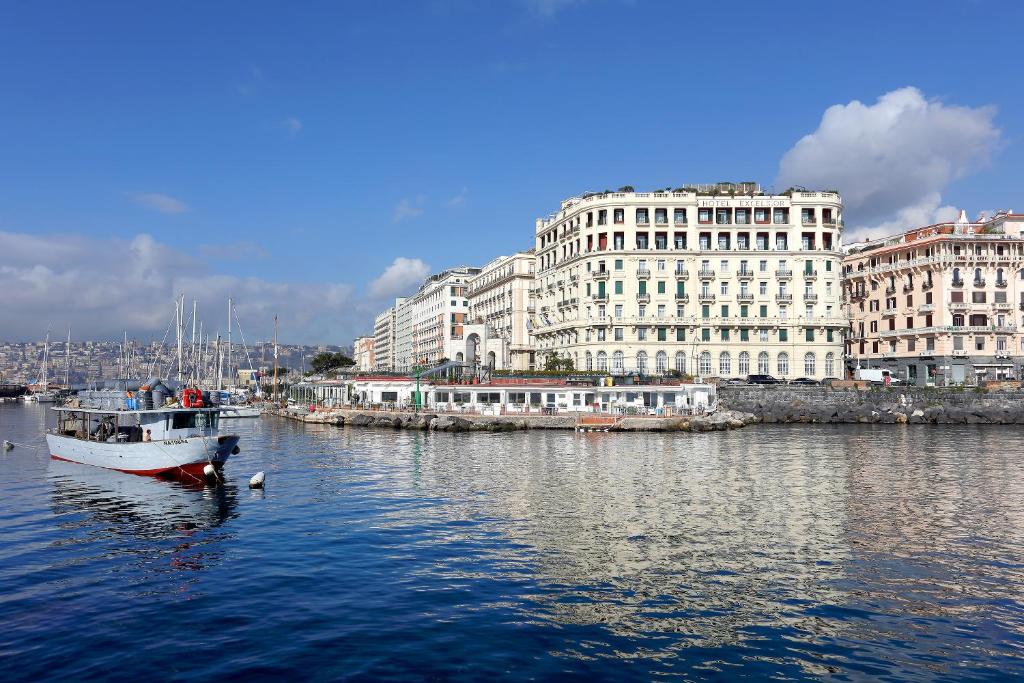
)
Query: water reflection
[{"x": 165, "y": 525}]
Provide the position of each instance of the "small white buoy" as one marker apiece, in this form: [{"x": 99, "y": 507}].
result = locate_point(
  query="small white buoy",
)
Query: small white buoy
[
  {"x": 8, "y": 446},
  {"x": 257, "y": 480},
  {"x": 210, "y": 471}
]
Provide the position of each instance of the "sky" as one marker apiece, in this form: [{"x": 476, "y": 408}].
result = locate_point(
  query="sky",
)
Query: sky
[{"x": 314, "y": 160}]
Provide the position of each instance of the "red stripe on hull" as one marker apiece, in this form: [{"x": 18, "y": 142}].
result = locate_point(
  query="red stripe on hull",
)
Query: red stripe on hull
[{"x": 191, "y": 472}]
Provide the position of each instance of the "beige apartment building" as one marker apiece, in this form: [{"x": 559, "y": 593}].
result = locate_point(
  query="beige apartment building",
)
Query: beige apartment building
[
  {"x": 496, "y": 331},
  {"x": 438, "y": 313},
  {"x": 939, "y": 305},
  {"x": 384, "y": 340},
  {"x": 713, "y": 281},
  {"x": 364, "y": 353}
]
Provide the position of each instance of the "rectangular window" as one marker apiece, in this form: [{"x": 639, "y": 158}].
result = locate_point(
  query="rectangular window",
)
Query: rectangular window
[
  {"x": 641, "y": 216},
  {"x": 662, "y": 334},
  {"x": 705, "y": 311},
  {"x": 703, "y": 215},
  {"x": 744, "y": 334},
  {"x": 705, "y": 334},
  {"x": 641, "y": 334},
  {"x": 661, "y": 286},
  {"x": 809, "y": 334},
  {"x": 783, "y": 335},
  {"x": 680, "y": 334},
  {"x": 725, "y": 334},
  {"x": 618, "y": 286},
  {"x": 618, "y": 334},
  {"x": 725, "y": 311},
  {"x": 679, "y": 216},
  {"x": 619, "y": 216},
  {"x": 828, "y": 336},
  {"x": 661, "y": 216},
  {"x": 763, "y": 311}
]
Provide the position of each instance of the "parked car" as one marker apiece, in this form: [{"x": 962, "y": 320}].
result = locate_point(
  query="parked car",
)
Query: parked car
[
  {"x": 804, "y": 380},
  {"x": 761, "y": 379},
  {"x": 827, "y": 381},
  {"x": 735, "y": 380}
]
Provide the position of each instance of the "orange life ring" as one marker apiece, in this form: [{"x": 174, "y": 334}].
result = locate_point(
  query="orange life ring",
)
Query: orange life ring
[{"x": 192, "y": 398}]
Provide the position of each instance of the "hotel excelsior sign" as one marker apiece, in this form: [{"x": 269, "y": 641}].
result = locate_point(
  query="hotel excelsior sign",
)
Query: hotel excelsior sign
[{"x": 742, "y": 202}]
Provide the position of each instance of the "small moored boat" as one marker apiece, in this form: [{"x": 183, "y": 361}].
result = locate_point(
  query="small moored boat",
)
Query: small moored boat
[{"x": 175, "y": 442}]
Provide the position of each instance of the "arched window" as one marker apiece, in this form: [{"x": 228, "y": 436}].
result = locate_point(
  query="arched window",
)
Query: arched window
[
  {"x": 641, "y": 362},
  {"x": 724, "y": 364},
  {"x": 617, "y": 361},
  {"x": 783, "y": 363},
  {"x": 681, "y": 361},
  {"x": 602, "y": 360},
  {"x": 590, "y": 360},
  {"x": 744, "y": 368},
  {"x": 999, "y": 275},
  {"x": 956, "y": 275},
  {"x": 704, "y": 363},
  {"x": 762, "y": 363},
  {"x": 661, "y": 363},
  {"x": 977, "y": 274},
  {"x": 958, "y": 320},
  {"x": 809, "y": 364},
  {"x": 830, "y": 364}
]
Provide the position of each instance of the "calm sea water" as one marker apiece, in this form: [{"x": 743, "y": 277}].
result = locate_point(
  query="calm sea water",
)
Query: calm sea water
[{"x": 784, "y": 552}]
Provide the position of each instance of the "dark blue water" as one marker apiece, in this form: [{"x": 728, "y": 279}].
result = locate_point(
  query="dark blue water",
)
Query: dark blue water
[{"x": 892, "y": 553}]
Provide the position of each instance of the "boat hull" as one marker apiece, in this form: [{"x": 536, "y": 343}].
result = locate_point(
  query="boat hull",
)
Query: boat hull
[{"x": 185, "y": 457}]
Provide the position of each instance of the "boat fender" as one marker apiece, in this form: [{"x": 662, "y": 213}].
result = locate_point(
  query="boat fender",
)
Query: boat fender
[
  {"x": 8, "y": 446},
  {"x": 236, "y": 450},
  {"x": 257, "y": 480},
  {"x": 210, "y": 471}
]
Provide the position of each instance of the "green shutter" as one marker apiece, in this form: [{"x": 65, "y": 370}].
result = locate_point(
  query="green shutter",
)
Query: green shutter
[
  {"x": 643, "y": 286},
  {"x": 725, "y": 310},
  {"x": 618, "y": 286},
  {"x": 680, "y": 291},
  {"x": 783, "y": 335},
  {"x": 661, "y": 286},
  {"x": 764, "y": 310}
]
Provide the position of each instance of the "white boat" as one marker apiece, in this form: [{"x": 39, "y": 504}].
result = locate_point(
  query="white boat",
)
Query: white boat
[
  {"x": 230, "y": 411},
  {"x": 173, "y": 442}
]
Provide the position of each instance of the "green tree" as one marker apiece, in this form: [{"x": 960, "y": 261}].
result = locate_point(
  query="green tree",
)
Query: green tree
[{"x": 327, "y": 361}]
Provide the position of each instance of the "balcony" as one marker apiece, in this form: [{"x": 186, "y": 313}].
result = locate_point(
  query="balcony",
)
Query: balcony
[
  {"x": 682, "y": 298},
  {"x": 979, "y": 282},
  {"x": 784, "y": 298},
  {"x": 599, "y": 275},
  {"x": 600, "y": 298},
  {"x": 706, "y": 274},
  {"x": 1002, "y": 306},
  {"x": 784, "y": 274},
  {"x": 643, "y": 298},
  {"x": 926, "y": 308},
  {"x": 926, "y": 285},
  {"x": 810, "y": 275},
  {"x": 891, "y": 289},
  {"x": 958, "y": 283},
  {"x": 574, "y": 279},
  {"x": 908, "y": 288},
  {"x": 682, "y": 274},
  {"x": 1001, "y": 283},
  {"x": 958, "y": 305},
  {"x": 810, "y": 297},
  {"x": 745, "y": 274},
  {"x": 706, "y": 298},
  {"x": 747, "y": 298},
  {"x": 643, "y": 274}
]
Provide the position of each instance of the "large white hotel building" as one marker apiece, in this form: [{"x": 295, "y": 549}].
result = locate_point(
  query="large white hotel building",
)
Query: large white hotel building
[{"x": 713, "y": 281}]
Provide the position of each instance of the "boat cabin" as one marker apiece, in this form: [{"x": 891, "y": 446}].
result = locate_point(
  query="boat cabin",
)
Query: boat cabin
[{"x": 131, "y": 426}]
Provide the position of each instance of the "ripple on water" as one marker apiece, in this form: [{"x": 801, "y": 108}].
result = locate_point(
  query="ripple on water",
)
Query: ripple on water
[{"x": 770, "y": 552}]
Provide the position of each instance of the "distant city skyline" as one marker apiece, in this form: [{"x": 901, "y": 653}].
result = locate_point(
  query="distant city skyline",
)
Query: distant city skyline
[{"x": 323, "y": 161}]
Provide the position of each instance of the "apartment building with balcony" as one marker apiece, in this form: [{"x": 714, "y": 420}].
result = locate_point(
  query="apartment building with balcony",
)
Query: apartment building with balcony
[
  {"x": 438, "y": 314},
  {"x": 712, "y": 281},
  {"x": 939, "y": 305},
  {"x": 403, "y": 334},
  {"x": 384, "y": 329},
  {"x": 496, "y": 330},
  {"x": 364, "y": 353}
]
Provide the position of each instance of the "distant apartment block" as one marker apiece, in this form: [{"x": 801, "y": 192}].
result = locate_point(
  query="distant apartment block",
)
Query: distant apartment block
[{"x": 939, "y": 305}]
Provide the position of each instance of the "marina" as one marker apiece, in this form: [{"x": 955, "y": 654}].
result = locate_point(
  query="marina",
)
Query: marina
[{"x": 769, "y": 551}]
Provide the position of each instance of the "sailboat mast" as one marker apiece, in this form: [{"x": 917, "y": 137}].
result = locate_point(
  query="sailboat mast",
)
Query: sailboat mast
[
  {"x": 275, "y": 358},
  {"x": 229, "y": 341},
  {"x": 179, "y": 307},
  {"x": 46, "y": 357},
  {"x": 67, "y": 361}
]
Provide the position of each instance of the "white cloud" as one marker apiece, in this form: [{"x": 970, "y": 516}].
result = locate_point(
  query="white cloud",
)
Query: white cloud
[
  {"x": 891, "y": 160},
  {"x": 160, "y": 202},
  {"x": 548, "y": 8},
  {"x": 292, "y": 125},
  {"x": 104, "y": 286},
  {"x": 398, "y": 279},
  {"x": 459, "y": 199},
  {"x": 407, "y": 209}
]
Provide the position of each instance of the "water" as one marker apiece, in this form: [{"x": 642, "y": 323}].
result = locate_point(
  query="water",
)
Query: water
[{"x": 787, "y": 552}]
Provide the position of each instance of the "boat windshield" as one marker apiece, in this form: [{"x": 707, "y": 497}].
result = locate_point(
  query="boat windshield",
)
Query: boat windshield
[{"x": 196, "y": 420}]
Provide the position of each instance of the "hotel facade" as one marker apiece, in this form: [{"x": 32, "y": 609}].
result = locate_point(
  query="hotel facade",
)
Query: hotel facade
[
  {"x": 711, "y": 281},
  {"x": 939, "y": 305}
]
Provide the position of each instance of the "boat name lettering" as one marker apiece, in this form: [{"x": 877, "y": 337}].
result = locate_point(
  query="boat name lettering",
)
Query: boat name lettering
[{"x": 175, "y": 442}]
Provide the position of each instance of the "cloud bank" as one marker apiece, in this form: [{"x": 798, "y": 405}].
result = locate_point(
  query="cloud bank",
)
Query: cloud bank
[
  {"x": 893, "y": 159},
  {"x": 102, "y": 287}
]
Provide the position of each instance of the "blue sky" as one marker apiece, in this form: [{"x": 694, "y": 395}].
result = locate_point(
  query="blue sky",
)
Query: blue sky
[{"x": 321, "y": 142}]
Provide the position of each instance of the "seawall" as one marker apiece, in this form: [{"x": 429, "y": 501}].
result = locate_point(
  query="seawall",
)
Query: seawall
[
  {"x": 719, "y": 421},
  {"x": 797, "y": 404}
]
